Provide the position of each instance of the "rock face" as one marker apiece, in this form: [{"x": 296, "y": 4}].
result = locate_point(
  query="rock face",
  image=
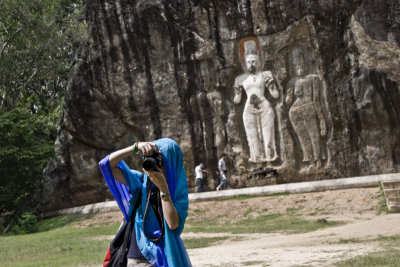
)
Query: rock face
[{"x": 173, "y": 68}]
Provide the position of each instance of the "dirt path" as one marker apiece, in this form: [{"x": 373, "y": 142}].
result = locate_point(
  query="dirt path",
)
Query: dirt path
[{"x": 319, "y": 248}]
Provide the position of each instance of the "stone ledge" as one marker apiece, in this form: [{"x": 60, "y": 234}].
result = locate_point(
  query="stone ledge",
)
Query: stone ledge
[
  {"x": 91, "y": 208},
  {"x": 303, "y": 187}
]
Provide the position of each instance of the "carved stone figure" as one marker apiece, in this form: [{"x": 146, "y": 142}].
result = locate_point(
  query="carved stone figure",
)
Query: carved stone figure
[
  {"x": 305, "y": 113},
  {"x": 258, "y": 114},
  {"x": 216, "y": 105},
  {"x": 218, "y": 108}
]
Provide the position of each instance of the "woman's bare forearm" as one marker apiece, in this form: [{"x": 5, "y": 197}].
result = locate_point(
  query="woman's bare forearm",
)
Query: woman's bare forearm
[
  {"x": 115, "y": 158},
  {"x": 170, "y": 213},
  {"x": 169, "y": 210},
  {"x": 118, "y": 155}
]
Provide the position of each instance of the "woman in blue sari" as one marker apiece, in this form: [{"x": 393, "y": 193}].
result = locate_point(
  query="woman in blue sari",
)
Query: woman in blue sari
[{"x": 130, "y": 189}]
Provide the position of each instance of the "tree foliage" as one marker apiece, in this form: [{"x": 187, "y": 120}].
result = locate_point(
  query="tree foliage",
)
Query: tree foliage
[
  {"x": 39, "y": 44},
  {"x": 26, "y": 145},
  {"x": 38, "y": 40}
]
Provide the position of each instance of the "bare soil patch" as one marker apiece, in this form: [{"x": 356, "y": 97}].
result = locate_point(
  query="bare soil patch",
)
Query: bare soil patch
[{"x": 348, "y": 203}]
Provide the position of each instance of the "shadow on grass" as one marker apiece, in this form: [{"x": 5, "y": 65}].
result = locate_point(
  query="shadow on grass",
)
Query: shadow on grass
[
  {"x": 61, "y": 221},
  {"x": 202, "y": 242}
]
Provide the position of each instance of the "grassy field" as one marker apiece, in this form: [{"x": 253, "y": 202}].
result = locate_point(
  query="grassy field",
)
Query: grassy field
[
  {"x": 62, "y": 247},
  {"x": 60, "y": 242},
  {"x": 287, "y": 223}
]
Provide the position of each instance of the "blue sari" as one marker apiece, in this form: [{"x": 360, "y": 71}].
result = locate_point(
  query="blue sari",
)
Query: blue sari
[{"x": 169, "y": 250}]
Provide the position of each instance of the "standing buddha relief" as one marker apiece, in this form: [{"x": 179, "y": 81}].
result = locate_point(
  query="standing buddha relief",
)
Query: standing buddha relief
[
  {"x": 258, "y": 114},
  {"x": 306, "y": 111}
]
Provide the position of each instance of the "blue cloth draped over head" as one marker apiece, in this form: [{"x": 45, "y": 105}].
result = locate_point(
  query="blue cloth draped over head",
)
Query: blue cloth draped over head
[{"x": 169, "y": 251}]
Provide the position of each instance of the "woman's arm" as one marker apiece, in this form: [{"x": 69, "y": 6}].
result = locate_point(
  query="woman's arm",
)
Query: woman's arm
[
  {"x": 147, "y": 149},
  {"x": 115, "y": 158}
]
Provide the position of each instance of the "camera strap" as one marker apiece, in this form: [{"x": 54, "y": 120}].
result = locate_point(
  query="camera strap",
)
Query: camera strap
[{"x": 157, "y": 207}]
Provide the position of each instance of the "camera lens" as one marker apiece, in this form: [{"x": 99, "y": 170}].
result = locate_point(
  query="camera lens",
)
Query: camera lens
[{"x": 149, "y": 164}]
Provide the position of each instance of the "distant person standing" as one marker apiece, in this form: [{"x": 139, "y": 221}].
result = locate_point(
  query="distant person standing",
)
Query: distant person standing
[
  {"x": 199, "y": 176},
  {"x": 223, "y": 173}
]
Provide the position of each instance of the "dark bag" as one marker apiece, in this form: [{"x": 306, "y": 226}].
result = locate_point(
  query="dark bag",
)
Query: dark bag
[
  {"x": 116, "y": 254},
  {"x": 118, "y": 249}
]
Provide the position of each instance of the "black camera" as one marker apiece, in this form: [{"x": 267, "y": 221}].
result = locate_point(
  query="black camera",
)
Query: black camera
[{"x": 150, "y": 162}]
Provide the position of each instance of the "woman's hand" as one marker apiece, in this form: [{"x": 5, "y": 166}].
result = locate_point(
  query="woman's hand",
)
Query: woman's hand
[
  {"x": 147, "y": 148},
  {"x": 158, "y": 178}
]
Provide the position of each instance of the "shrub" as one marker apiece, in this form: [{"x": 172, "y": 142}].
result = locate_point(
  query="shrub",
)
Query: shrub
[{"x": 26, "y": 224}]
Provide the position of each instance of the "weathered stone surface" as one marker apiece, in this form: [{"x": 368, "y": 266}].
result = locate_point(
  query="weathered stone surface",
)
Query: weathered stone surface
[{"x": 167, "y": 68}]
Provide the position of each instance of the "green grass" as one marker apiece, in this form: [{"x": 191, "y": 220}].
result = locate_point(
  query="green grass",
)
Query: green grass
[
  {"x": 63, "y": 246},
  {"x": 288, "y": 223},
  {"x": 201, "y": 242},
  {"x": 388, "y": 256}
]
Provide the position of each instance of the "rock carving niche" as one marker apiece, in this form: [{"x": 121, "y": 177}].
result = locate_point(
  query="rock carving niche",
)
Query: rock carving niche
[
  {"x": 375, "y": 138},
  {"x": 306, "y": 113},
  {"x": 258, "y": 114}
]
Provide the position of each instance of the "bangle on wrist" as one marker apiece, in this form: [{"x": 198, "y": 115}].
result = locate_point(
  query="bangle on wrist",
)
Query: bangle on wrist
[{"x": 135, "y": 148}]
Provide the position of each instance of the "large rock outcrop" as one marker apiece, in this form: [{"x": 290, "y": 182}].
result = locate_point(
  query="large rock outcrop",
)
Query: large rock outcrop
[{"x": 168, "y": 69}]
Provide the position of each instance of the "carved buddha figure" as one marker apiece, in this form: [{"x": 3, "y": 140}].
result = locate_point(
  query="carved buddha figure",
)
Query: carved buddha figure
[
  {"x": 305, "y": 113},
  {"x": 258, "y": 114}
]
